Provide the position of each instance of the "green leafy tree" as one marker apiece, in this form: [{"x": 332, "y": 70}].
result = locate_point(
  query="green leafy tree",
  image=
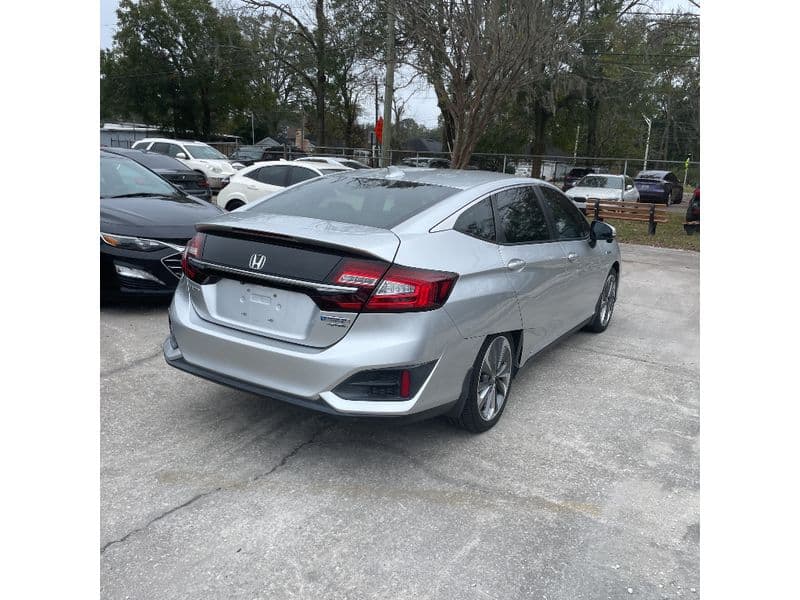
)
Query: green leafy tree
[{"x": 177, "y": 63}]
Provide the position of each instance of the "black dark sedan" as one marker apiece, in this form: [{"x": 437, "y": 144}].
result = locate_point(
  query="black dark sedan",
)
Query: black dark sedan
[
  {"x": 178, "y": 174},
  {"x": 247, "y": 155},
  {"x": 659, "y": 186},
  {"x": 144, "y": 225}
]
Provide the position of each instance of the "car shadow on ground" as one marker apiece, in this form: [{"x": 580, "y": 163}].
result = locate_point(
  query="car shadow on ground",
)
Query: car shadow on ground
[{"x": 134, "y": 304}]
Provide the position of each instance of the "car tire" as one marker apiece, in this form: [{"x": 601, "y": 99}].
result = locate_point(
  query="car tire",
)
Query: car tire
[
  {"x": 603, "y": 311},
  {"x": 233, "y": 205},
  {"x": 492, "y": 372}
]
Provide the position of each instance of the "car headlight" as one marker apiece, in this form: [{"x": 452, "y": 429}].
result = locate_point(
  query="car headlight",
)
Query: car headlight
[
  {"x": 216, "y": 169},
  {"x": 132, "y": 243}
]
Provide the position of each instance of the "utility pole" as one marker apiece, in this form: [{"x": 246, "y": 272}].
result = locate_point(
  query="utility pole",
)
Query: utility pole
[
  {"x": 376, "y": 98},
  {"x": 647, "y": 145},
  {"x": 575, "y": 151},
  {"x": 388, "y": 94}
]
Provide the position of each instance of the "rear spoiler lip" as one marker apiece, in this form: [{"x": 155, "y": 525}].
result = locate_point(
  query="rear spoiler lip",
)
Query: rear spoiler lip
[{"x": 232, "y": 231}]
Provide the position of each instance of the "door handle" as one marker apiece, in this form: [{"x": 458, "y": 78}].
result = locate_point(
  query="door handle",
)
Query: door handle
[
  {"x": 516, "y": 264},
  {"x": 572, "y": 257}
]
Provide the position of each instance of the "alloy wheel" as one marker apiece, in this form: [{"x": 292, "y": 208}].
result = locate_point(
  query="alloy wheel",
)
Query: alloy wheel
[
  {"x": 607, "y": 299},
  {"x": 494, "y": 378}
]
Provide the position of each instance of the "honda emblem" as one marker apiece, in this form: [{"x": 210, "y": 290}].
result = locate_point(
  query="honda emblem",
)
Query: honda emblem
[{"x": 257, "y": 261}]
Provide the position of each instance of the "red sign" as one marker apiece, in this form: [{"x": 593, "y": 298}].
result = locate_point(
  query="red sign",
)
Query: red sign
[{"x": 379, "y": 130}]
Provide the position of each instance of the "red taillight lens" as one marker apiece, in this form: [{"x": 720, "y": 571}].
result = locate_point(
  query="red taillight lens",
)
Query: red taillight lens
[
  {"x": 194, "y": 249},
  {"x": 407, "y": 289},
  {"x": 360, "y": 274}
]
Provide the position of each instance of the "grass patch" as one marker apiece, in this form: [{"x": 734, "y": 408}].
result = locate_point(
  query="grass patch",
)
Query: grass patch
[{"x": 668, "y": 235}]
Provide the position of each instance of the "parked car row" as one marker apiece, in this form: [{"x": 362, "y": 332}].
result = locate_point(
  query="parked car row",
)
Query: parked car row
[
  {"x": 196, "y": 155},
  {"x": 647, "y": 186}
]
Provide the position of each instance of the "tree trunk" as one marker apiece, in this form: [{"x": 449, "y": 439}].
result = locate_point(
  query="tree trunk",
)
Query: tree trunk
[
  {"x": 320, "y": 90},
  {"x": 540, "y": 118},
  {"x": 593, "y": 106}
]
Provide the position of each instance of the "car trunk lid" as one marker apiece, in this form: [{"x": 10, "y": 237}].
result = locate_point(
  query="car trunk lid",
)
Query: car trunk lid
[{"x": 271, "y": 274}]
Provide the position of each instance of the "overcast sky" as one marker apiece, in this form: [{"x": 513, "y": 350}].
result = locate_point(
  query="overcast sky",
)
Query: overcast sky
[{"x": 422, "y": 103}]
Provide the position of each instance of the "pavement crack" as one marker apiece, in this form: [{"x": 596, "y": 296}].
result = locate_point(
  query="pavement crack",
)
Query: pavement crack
[
  {"x": 281, "y": 463},
  {"x": 130, "y": 365},
  {"x": 158, "y": 518},
  {"x": 668, "y": 367},
  {"x": 292, "y": 453}
]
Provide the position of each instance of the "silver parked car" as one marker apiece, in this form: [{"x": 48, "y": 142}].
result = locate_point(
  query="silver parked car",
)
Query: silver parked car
[{"x": 391, "y": 292}]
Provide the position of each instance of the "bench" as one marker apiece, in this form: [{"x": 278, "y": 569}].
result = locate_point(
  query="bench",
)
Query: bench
[{"x": 652, "y": 214}]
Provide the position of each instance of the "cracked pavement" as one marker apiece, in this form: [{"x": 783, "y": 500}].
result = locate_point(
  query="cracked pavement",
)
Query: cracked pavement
[{"x": 588, "y": 486}]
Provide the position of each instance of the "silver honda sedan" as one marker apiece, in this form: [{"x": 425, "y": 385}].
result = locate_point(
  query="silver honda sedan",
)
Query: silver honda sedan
[{"x": 394, "y": 293}]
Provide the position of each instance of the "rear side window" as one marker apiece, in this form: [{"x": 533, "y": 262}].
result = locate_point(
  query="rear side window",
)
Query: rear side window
[
  {"x": 140, "y": 145},
  {"x": 569, "y": 223},
  {"x": 160, "y": 147},
  {"x": 373, "y": 202},
  {"x": 478, "y": 221},
  {"x": 273, "y": 175},
  {"x": 520, "y": 219},
  {"x": 671, "y": 178}
]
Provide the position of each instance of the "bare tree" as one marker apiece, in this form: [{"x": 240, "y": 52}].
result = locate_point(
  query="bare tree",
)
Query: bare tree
[{"x": 474, "y": 53}]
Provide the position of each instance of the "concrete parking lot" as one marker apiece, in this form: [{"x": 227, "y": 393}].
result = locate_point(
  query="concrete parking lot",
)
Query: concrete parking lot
[{"x": 587, "y": 488}]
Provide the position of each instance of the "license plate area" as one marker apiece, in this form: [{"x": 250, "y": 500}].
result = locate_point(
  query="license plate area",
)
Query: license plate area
[{"x": 264, "y": 310}]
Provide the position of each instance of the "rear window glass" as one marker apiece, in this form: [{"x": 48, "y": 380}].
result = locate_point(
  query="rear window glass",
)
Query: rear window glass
[{"x": 372, "y": 202}]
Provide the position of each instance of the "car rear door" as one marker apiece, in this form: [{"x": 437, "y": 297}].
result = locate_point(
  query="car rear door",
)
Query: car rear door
[
  {"x": 586, "y": 267},
  {"x": 536, "y": 263}
]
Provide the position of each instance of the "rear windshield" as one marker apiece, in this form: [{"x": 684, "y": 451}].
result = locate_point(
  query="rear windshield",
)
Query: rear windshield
[
  {"x": 657, "y": 175},
  {"x": 381, "y": 203}
]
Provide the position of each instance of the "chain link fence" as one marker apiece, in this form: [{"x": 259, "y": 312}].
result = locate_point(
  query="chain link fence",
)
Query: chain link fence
[{"x": 551, "y": 168}]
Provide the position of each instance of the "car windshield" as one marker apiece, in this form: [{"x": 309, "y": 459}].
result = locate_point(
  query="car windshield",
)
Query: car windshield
[
  {"x": 247, "y": 153},
  {"x": 203, "y": 151},
  {"x": 381, "y": 203},
  {"x": 601, "y": 181},
  {"x": 124, "y": 177}
]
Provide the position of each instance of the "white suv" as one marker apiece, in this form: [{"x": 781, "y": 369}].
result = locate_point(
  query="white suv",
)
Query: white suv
[{"x": 195, "y": 155}]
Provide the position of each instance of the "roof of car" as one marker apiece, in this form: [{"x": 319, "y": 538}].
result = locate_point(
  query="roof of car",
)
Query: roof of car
[
  {"x": 454, "y": 178},
  {"x": 653, "y": 173},
  {"x": 170, "y": 140}
]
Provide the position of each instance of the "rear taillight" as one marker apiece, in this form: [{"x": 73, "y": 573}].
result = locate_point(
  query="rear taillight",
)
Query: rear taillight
[
  {"x": 406, "y": 289},
  {"x": 398, "y": 289},
  {"x": 363, "y": 275},
  {"x": 194, "y": 249}
]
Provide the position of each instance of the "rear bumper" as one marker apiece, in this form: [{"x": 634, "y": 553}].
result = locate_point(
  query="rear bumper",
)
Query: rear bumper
[{"x": 306, "y": 376}]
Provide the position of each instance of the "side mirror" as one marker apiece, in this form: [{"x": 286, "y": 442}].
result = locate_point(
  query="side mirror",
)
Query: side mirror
[
  {"x": 601, "y": 231},
  {"x": 180, "y": 155},
  {"x": 629, "y": 187}
]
